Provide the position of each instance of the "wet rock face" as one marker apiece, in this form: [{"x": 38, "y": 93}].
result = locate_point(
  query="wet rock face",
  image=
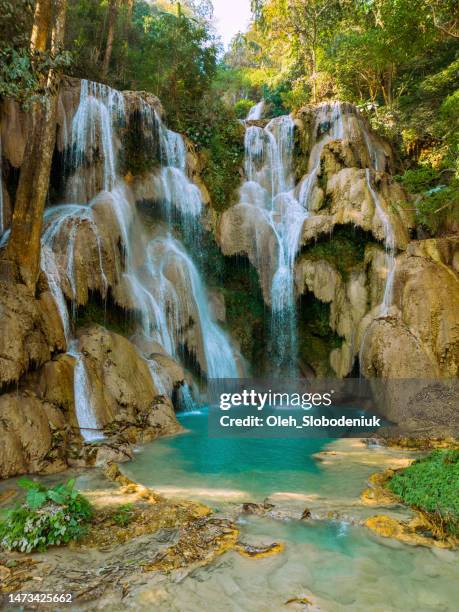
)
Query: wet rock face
[
  {"x": 425, "y": 317},
  {"x": 38, "y": 423},
  {"x": 121, "y": 385},
  {"x": 347, "y": 199},
  {"x": 33, "y": 434},
  {"x": 31, "y": 331}
]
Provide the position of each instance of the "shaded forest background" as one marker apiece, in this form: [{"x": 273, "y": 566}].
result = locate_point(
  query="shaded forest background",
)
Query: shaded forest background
[{"x": 397, "y": 60}]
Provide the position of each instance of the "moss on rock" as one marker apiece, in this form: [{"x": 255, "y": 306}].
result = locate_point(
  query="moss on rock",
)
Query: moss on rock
[{"x": 316, "y": 339}]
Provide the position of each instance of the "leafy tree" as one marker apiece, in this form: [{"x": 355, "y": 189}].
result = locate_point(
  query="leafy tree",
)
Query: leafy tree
[{"x": 21, "y": 257}]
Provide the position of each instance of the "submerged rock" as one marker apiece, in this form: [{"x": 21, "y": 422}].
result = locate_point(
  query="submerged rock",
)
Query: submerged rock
[
  {"x": 258, "y": 509},
  {"x": 260, "y": 551}
]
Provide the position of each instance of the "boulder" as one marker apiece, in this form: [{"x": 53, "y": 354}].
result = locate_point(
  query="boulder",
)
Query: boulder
[
  {"x": 31, "y": 330},
  {"x": 31, "y": 431},
  {"x": 120, "y": 381}
]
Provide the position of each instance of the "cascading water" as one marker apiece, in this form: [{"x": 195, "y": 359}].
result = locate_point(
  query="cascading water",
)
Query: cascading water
[
  {"x": 180, "y": 199},
  {"x": 89, "y": 426},
  {"x": 389, "y": 242},
  {"x": 270, "y": 201},
  {"x": 167, "y": 256},
  {"x": 256, "y": 112},
  {"x": 165, "y": 303},
  {"x": 270, "y": 187},
  {"x": 92, "y": 136}
]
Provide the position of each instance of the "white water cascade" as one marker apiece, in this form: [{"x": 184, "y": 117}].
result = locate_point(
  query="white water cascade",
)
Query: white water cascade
[
  {"x": 256, "y": 112},
  {"x": 92, "y": 141},
  {"x": 155, "y": 274},
  {"x": 272, "y": 211},
  {"x": 389, "y": 243},
  {"x": 270, "y": 189},
  {"x": 87, "y": 420},
  {"x": 179, "y": 289}
]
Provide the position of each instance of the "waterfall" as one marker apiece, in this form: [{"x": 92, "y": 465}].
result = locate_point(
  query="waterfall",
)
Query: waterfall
[
  {"x": 180, "y": 199},
  {"x": 93, "y": 137},
  {"x": 186, "y": 401},
  {"x": 49, "y": 266},
  {"x": 256, "y": 112},
  {"x": 274, "y": 210},
  {"x": 389, "y": 242},
  {"x": 389, "y": 236},
  {"x": 270, "y": 187},
  {"x": 158, "y": 277},
  {"x": 378, "y": 165},
  {"x": 85, "y": 413},
  {"x": 186, "y": 299}
]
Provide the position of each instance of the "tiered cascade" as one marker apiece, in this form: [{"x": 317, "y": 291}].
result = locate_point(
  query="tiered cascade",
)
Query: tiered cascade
[
  {"x": 98, "y": 242},
  {"x": 275, "y": 215}
]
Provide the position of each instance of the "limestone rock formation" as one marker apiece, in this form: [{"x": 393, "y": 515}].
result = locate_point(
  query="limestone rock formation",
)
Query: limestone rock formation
[
  {"x": 426, "y": 300},
  {"x": 348, "y": 305},
  {"x": 121, "y": 385},
  {"x": 34, "y": 433},
  {"x": 38, "y": 423},
  {"x": 31, "y": 330}
]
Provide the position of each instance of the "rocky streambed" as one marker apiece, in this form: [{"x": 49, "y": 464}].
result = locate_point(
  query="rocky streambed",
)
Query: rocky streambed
[{"x": 245, "y": 530}]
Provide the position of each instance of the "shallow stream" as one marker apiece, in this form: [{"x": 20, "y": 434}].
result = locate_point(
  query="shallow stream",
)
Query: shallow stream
[{"x": 333, "y": 561}]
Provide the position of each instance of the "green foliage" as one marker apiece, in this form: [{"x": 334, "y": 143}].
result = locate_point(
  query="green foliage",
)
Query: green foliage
[
  {"x": 223, "y": 156},
  {"x": 246, "y": 313},
  {"x": 316, "y": 339},
  {"x": 439, "y": 206},
  {"x": 418, "y": 180},
  {"x": 167, "y": 52},
  {"x": 437, "y": 196},
  {"x": 108, "y": 314},
  {"x": 275, "y": 98},
  {"x": 16, "y": 22},
  {"x": 431, "y": 484},
  {"x": 47, "y": 517},
  {"x": 344, "y": 249},
  {"x": 124, "y": 515},
  {"x": 22, "y": 76},
  {"x": 242, "y": 108}
]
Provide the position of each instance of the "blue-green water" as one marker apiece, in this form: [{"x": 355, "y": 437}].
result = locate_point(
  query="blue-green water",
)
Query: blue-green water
[
  {"x": 337, "y": 565},
  {"x": 256, "y": 466}
]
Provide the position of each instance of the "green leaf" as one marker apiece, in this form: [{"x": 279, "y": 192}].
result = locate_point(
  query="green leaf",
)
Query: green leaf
[
  {"x": 26, "y": 483},
  {"x": 35, "y": 499},
  {"x": 56, "y": 496}
]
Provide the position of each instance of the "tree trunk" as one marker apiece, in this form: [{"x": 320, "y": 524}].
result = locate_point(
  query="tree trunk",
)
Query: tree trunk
[
  {"x": 130, "y": 5},
  {"x": 41, "y": 26},
  {"x": 112, "y": 14},
  {"x": 23, "y": 250}
]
